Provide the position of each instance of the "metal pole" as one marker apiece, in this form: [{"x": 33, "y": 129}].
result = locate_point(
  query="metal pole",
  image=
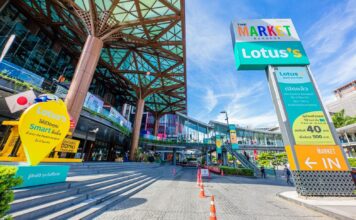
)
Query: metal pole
[{"x": 85, "y": 144}]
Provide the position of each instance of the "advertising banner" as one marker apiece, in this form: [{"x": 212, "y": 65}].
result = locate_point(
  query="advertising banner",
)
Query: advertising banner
[
  {"x": 61, "y": 92},
  {"x": 233, "y": 137},
  {"x": 68, "y": 146},
  {"x": 218, "y": 143},
  {"x": 303, "y": 108},
  {"x": 93, "y": 103},
  {"x": 42, "y": 127},
  {"x": 261, "y": 42},
  {"x": 17, "y": 72}
]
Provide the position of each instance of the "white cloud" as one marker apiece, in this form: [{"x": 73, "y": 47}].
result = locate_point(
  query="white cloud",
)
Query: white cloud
[
  {"x": 329, "y": 33},
  {"x": 210, "y": 100}
]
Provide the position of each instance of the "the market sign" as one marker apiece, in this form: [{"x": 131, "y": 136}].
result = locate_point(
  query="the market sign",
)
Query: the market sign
[
  {"x": 42, "y": 127},
  {"x": 263, "y": 42}
]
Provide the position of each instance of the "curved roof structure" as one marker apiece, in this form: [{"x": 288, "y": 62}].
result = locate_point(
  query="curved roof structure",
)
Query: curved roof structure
[{"x": 144, "y": 44}]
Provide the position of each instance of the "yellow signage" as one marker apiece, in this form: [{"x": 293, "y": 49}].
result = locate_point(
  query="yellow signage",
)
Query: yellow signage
[
  {"x": 324, "y": 158},
  {"x": 68, "y": 146},
  {"x": 42, "y": 127},
  {"x": 312, "y": 129}
]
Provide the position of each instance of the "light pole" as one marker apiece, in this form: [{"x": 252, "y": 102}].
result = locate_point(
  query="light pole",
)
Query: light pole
[
  {"x": 227, "y": 131},
  {"x": 95, "y": 130}
]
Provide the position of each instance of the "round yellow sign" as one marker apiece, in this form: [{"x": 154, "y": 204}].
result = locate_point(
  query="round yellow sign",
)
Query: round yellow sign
[{"x": 42, "y": 127}]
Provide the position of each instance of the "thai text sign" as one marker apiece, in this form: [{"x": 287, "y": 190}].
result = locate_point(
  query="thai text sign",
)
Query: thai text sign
[
  {"x": 68, "y": 146},
  {"x": 41, "y": 175},
  {"x": 303, "y": 108},
  {"x": 42, "y": 127},
  {"x": 259, "y": 43}
]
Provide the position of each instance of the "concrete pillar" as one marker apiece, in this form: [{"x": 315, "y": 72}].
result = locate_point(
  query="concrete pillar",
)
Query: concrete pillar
[
  {"x": 174, "y": 157},
  {"x": 136, "y": 127},
  {"x": 156, "y": 125},
  {"x": 83, "y": 76}
]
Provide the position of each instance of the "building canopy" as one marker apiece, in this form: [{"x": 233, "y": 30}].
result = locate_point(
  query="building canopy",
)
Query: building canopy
[{"x": 144, "y": 44}]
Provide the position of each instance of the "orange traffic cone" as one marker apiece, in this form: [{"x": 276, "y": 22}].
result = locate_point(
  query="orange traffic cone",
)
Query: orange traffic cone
[
  {"x": 198, "y": 179},
  {"x": 212, "y": 209},
  {"x": 202, "y": 193}
]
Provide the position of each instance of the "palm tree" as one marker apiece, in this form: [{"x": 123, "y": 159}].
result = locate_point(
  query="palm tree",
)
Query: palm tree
[{"x": 340, "y": 119}]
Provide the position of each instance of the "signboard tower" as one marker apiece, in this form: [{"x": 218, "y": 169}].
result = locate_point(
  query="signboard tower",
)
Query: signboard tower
[{"x": 317, "y": 161}]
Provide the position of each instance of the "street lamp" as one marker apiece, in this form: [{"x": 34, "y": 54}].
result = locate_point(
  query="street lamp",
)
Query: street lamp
[
  {"x": 94, "y": 130},
  {"x": 226, "y": 119},
  {"x": 7, "y": 46}
]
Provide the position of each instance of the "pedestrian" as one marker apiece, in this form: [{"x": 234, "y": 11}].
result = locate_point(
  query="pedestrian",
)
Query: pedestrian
[
  {"x": 263, "y": 172},
  {"x": 288, "y": 174}
]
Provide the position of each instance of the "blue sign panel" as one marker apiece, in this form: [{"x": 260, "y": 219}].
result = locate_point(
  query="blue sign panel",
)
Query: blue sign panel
[{"x": 41, "y": 175}]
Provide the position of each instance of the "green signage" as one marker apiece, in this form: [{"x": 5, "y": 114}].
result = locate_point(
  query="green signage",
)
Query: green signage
[
  {"x": 258, "y": 55},
  {"x": 303, "y": 108}
]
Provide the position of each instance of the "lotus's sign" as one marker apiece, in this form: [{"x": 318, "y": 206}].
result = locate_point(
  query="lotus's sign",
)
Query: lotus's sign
[{"x": 259, "y": 43}]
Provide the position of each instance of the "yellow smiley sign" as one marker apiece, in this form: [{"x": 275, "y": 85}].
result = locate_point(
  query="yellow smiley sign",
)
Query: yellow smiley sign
[{"x": 42, "y": 127}]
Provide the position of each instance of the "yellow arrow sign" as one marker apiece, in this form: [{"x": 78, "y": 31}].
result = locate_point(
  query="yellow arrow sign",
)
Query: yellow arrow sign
[{"x": 42, "y": 127}]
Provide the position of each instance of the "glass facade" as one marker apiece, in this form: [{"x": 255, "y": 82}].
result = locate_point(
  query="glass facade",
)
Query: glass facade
[
  {"x": 183, "y": 129},
  {"x": 32, "y": 49}
]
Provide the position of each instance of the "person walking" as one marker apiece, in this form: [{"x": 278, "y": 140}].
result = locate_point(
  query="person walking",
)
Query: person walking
[
  {"x": 263, "y": 172},
  {"x": 288, "y": 174}
]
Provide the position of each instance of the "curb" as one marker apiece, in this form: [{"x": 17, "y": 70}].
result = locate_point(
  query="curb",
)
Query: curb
[{"x": 316, "y": 208}]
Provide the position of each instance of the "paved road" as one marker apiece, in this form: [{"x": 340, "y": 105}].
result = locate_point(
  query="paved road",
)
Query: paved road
[{"x": 236, "y": 198}]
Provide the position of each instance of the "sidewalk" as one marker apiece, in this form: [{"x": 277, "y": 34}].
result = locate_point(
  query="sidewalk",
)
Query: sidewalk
[{"x": 335, "y": 207}]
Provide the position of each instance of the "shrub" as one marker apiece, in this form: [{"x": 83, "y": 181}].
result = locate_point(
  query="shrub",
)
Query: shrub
[
  {"x": 352, "y": 162},
  {"x": 237, "y": 171},
  {"x": 7, "y": 181}
]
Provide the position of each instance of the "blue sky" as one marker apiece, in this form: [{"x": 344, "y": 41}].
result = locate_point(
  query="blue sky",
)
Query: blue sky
[{"x": 326, "y": 29}]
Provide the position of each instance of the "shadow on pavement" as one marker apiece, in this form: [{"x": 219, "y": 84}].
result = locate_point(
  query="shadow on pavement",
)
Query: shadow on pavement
[{"x": 128, "y": 203}]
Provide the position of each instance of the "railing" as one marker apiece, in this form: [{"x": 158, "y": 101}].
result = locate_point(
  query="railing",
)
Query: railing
[{"x": 240, "y": 157}]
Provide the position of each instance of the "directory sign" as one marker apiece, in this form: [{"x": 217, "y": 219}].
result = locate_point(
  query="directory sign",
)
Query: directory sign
[
  {"x": 263, "y": 42},
  {"x": 42, "y": 127},
  {"x": 303, "y": 107}
]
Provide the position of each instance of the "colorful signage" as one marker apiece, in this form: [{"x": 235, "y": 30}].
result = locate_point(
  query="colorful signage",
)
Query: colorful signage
[
  {"x": 303, "y": 108},
  {"x": 312, "y": 158},
  {"x": 42, "y": 127},
  {"x": 264, "y": 30},
  {"x": 263, "y": 42},
  {"x": 68, "y": 146},
  {"x": 41, "y": 175},
  {"x": 233, "y": 137},
  {"x": 218, "y": 143}
]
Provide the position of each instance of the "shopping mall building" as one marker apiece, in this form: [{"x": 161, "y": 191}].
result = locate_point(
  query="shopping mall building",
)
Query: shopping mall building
[{"x": 121, "y": 69}]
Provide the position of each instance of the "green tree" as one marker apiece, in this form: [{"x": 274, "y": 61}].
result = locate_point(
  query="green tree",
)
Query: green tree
[
  {"x": 267, "y": 159},
  {"x": 340, "y": 119},
  {"x": 7, "y": 181}
]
